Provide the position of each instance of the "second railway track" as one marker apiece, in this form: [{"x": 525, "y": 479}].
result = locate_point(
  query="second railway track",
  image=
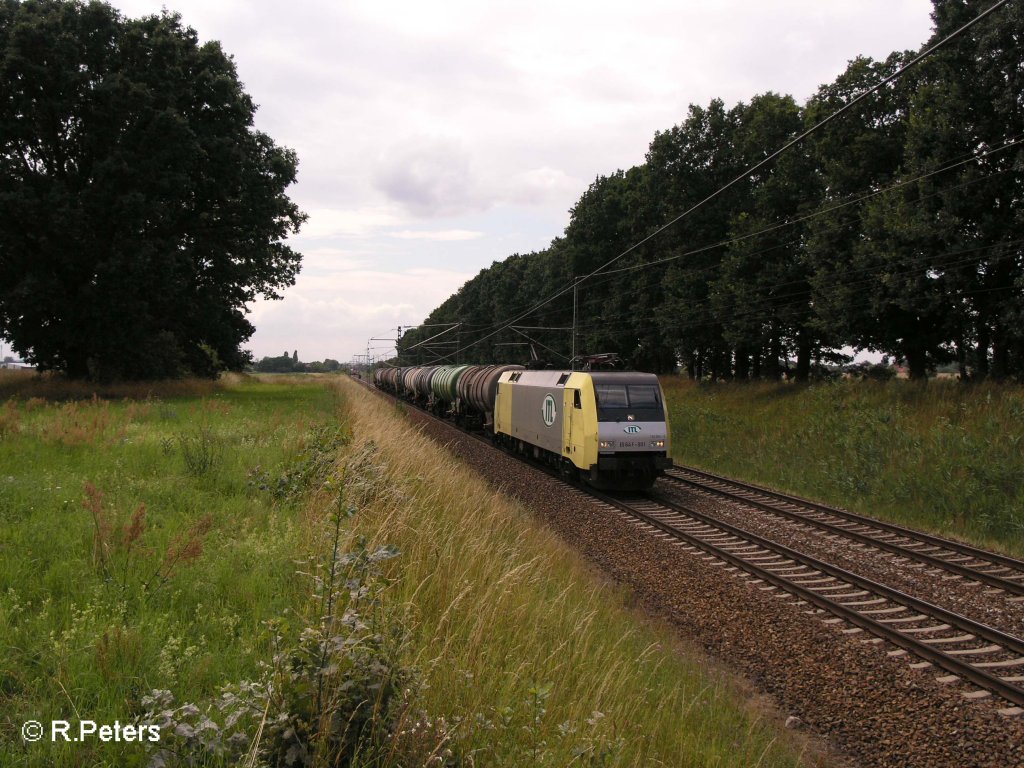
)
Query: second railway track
[{"x": 989, "y": 568}]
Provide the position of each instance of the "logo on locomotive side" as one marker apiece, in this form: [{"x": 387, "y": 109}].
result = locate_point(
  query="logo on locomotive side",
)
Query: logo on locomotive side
[
  {"x": 548, "y": 410},
  {"x": 632, "y": 429}
]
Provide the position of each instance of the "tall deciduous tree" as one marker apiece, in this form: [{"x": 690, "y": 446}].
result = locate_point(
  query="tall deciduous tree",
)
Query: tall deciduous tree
[
  {"x": 762, "y": 293},
  {"x": 873, "y": 285},
  {"x": 140, "y": 211},
  {"x": 685, "y": 165},
  {"x": 968, "y": 116}
]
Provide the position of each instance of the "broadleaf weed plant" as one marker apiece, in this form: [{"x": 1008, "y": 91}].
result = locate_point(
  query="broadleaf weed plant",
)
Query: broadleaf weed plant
[
  {"x": 312, "y": 467},
  {"x": 332, "y": 693},
  {"x": 200, "y": 451}
]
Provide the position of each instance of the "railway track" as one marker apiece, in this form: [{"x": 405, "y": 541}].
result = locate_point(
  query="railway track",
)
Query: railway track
[
  {"x": 966, "y": 650},
  {"x": 994, "y": 570}
]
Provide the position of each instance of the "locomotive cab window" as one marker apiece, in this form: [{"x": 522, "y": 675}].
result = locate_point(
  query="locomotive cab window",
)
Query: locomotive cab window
[
  {"x": 622, "y": 402},
  {"x": 643, "y": 396},
  {"x": 576, "y": 402}
]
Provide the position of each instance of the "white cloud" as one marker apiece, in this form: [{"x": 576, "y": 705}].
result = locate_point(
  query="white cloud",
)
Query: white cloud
[
  {"x": 442, "y": 235},
  {"x": 542, "y": 186},
  {"x": 326, "y": 223},
  {"x": 430, "y": 176},
  {"x": 335, "y": 313}
]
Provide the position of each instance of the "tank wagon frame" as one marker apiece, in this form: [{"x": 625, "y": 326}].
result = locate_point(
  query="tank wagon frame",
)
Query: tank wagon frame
[{"x": 606, "y": 428}]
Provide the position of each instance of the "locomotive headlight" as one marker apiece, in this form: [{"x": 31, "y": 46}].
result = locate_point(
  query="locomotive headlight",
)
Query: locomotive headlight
[
  {"x": 657, "y": 443},
  {"x": 607, "y": 444}
]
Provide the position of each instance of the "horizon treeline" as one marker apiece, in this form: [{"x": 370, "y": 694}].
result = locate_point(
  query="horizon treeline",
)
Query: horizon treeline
[
  {"x": 291, "y": 364},
  {"x": 895, "y": 227}
]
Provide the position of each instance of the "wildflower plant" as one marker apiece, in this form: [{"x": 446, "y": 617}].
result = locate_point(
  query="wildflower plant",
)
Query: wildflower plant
[{"x": 332, "y": 691}]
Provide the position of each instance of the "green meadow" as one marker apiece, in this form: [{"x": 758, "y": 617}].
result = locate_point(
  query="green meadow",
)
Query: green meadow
[
  {"x": 138, "y": 553},
  {"x": 280, "y": 571}
]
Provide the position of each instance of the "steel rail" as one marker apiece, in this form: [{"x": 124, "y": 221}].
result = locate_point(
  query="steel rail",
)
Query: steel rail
[{"x": 979, "y": 677}]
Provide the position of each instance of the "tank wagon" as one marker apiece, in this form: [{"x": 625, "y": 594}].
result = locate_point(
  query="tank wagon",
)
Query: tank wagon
[
  {"x": 444, "y": 388},
  {"x": 477, "y": 389},
  {"x": 606, "y": 428},
  {"x": 421, "y": 379},
  {"x": 387, "y": 379}
]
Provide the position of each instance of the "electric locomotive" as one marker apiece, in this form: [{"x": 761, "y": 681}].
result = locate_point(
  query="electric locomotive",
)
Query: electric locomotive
[{"x": 607, "y": 428}]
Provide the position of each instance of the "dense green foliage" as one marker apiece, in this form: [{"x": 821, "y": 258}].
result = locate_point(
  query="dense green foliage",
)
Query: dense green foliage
[
  {"x": 894, "y": 228},
  {"x": 943, "y": 458},
  {"x": 291, "y": 364},
  {"x": 140, "y": 211}
]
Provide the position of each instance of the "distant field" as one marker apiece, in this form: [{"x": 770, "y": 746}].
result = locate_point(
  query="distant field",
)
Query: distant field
[
  {"x": 291, "y": 558},
  {"x": 944, "y": 457}
]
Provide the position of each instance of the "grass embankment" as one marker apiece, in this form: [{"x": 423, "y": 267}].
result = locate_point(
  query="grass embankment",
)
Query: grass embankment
[
  {"x": 942, "y": 457},
  {"x": 259, "y": 555}
]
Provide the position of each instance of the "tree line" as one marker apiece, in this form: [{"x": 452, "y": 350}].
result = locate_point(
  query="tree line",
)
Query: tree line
[
  {"x": 895, "y": 227},
  {"x": 291, "y": 364}
]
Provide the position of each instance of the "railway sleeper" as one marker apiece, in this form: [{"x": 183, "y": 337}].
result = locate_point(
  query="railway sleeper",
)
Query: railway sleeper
[
  {"x": 813, "y": 582},
  {"x": 1004, "y": 664},
  {"x": 984, "y": 651},
  {"x": 829, "y": 589},
  {"x": 883, "y": 611},
  {"x": 924, "y": 630},
  {"x": 904, "y": 619},
  {"x": 861, "y": 593},
  {"x": 839, "y": 598},
  {"x": 941, "y": 640}
]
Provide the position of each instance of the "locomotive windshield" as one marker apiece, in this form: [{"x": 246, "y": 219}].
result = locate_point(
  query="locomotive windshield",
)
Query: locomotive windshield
[{"x": 628, "y": 402}]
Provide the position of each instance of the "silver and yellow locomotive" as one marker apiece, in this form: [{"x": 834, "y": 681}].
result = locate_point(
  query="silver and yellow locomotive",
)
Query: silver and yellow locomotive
[{"x": 606, "y": 428}]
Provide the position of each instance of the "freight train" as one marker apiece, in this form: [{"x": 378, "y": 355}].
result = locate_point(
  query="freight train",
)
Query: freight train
[{"x": 606, "y": 428}]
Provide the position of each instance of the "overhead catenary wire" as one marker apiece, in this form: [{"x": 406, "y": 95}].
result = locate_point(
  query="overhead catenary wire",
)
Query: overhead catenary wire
[
  {"x": 698, "y": 271},
  {"x": 498, "y": 328},
  {"x": 831, "y": 209},
  {"x": 692, "y": 318},
  {"x": 610, "y": 275},
  {"x": 695, "y": 272}
]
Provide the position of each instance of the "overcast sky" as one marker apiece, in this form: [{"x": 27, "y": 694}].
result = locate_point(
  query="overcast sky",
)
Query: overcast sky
[{"x": 435, "y": 138}]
